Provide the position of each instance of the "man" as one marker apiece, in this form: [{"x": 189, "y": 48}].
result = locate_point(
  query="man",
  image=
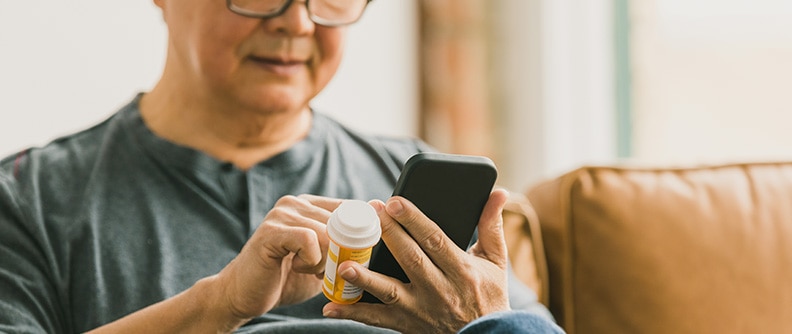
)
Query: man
[{"x": 180, "y": 213}]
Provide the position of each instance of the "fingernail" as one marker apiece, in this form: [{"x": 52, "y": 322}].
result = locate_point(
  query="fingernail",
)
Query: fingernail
[
  {"x": 377, "y": 205},
  {"x": 395, "y": 207},
  {"x": 349, "y": 274},
  {"x": 330, "y": 313}
]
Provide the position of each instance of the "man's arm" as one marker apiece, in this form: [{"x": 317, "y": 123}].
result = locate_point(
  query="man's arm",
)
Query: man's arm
[
  {"x": 28, "y": 295},
  {"x": 198, "y": 309}
]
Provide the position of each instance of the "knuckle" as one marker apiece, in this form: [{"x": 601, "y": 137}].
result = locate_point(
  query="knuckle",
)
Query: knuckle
[
  {"x": 283, "y": 214},
  {"x": 472, "y": 276},
  {"x": 473, "y": 279},
  {"x": 391, "y": 296},
  {"x": 413, "y": 259},
  {"x": 278, "y": 211},
  {"x": 288, "y": 200},
  {"x": 305, "y": 236},
  {"x": 434, "y": 242},
  {"x": 304, "y": 197}
]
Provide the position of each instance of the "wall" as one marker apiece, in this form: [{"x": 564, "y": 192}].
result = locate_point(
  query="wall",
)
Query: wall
[
  {"x": 712, "y": 80},
  {"x": 553, "y": 69},
  {"x": 65, "y": 65}
]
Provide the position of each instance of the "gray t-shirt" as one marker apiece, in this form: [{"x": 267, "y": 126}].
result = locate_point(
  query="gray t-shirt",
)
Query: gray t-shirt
[{"x": 99, "y": 224}]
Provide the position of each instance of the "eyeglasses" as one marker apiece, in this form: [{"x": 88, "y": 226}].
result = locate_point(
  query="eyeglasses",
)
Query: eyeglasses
[{"x": 331, "y": 13}]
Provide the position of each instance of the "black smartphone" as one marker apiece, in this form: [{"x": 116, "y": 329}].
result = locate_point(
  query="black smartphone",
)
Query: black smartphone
[{"x": 449, "y": 189}]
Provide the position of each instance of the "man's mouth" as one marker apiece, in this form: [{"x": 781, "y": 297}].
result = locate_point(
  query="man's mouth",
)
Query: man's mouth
[{"x": 279, "y": 66}]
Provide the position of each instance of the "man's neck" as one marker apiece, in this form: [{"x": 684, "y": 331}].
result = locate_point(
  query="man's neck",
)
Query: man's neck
[{"x": 240, "y": 136}]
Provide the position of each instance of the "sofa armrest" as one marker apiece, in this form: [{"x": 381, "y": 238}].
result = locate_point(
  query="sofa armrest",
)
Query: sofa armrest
[{"x": 524, "y": 242}]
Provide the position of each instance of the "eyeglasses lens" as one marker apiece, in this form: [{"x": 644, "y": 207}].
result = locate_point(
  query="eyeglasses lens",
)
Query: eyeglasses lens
[{"x": 325, "y": 12}]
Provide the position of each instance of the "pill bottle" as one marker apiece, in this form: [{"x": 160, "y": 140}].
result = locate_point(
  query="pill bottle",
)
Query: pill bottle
[{"x": 353, "y": 229}]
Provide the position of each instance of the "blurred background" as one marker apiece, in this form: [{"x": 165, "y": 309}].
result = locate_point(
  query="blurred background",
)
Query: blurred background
[{"x": 541, "y": 86}]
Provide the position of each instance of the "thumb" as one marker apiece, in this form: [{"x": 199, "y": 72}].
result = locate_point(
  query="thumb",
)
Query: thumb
[{"x": 491, "y": 243}]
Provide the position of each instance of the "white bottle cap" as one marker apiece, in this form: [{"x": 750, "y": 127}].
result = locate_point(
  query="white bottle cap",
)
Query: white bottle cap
[{"x": 354, "y": 224}]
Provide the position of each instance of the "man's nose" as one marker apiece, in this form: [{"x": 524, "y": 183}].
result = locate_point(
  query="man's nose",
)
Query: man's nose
[{"x": 296, "y": 20}]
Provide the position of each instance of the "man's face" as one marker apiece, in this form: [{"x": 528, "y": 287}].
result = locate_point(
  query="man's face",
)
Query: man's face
[{"x": 271, "y": 65}]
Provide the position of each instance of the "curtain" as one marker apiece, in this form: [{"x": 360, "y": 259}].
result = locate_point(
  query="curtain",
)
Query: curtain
[{"x": 455, "y": 115}]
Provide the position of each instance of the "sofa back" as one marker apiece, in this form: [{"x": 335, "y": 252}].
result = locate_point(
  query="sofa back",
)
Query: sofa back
[{"x": 689, "y": 250}]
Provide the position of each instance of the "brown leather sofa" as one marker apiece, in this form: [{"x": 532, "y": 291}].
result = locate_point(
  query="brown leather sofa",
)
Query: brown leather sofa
[{"x": 664, "y": 250}]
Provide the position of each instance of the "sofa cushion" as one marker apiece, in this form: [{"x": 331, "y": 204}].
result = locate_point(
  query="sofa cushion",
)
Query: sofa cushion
[{"x": 689, "y": 250}]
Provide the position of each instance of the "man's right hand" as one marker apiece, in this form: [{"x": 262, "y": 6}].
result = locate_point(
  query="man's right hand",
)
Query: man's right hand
[
  {"x": 283, "y": 261},
  {"x": 281, "y": 264}
]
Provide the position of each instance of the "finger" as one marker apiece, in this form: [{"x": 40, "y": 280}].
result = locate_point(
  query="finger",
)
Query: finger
[
  {"x": 391, "y": 291},
  {"x": 362, "y": 312},
  {"x": 491, "y": 243},
  {"x": 302, "y": 206},
  {"x": 378, "y": 315},
  {"x": 407, "y": 253},
  {"x": 429, "y": 237},
  {"x": 300, "y": 212},
  {"x": 302, "y": 242},
  {"x": 327, "y": 203},
  {"x": 387, "y": 289}
]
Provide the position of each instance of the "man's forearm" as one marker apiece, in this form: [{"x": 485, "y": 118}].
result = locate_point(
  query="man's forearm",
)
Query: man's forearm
[{"x": 199, "y": 309}]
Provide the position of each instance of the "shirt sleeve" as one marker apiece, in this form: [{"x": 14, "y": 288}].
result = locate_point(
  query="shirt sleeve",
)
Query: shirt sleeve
[{"x": 28, "y": 297}]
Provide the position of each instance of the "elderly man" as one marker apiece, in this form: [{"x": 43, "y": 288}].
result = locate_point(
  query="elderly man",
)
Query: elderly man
[{"x": 182, "y": 212}]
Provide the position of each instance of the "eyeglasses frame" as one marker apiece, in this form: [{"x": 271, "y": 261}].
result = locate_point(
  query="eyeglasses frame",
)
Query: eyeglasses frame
[{"x": 315, "y": 19}]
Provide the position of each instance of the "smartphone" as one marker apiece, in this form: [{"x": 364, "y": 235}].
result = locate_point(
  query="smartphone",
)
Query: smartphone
[{"x": 449, "y": 189}]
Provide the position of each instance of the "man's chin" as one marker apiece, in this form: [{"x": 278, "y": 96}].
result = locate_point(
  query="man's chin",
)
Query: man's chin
[{"x": 273, "y": 103}]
